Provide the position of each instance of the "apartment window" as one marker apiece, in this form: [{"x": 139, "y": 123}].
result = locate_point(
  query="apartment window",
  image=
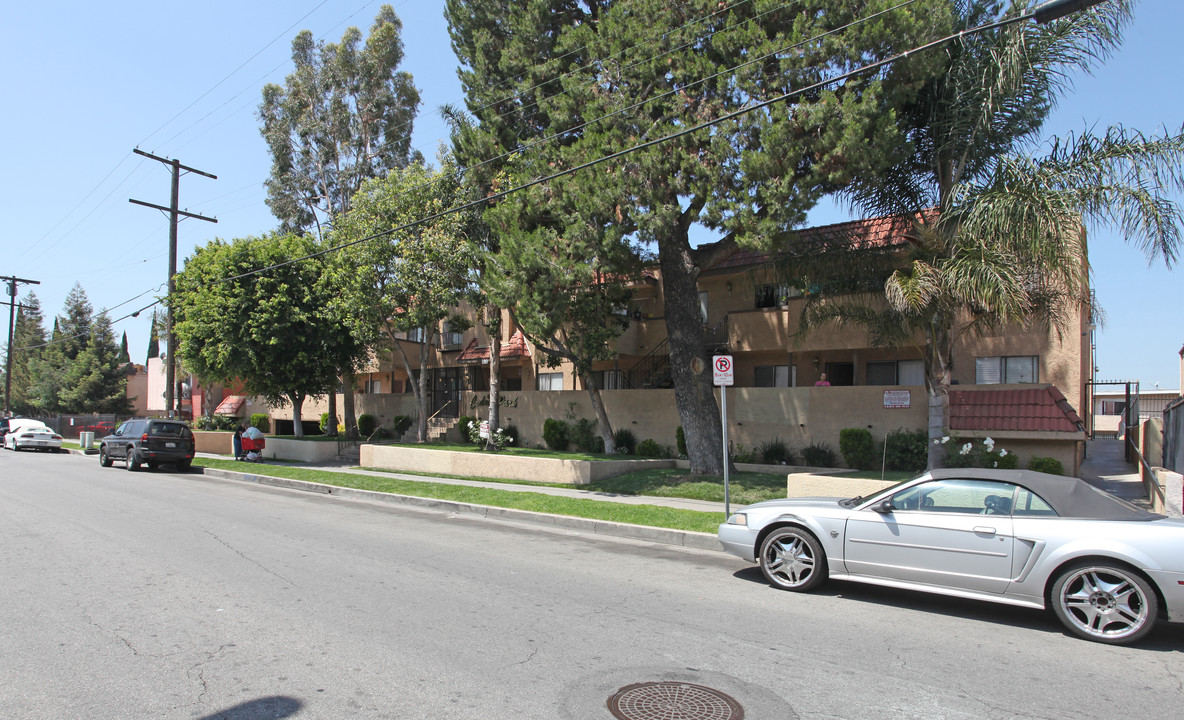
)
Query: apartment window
[
  {"x": 775, "y": 295},
  {"x": 372, "y": 387},
  {"x": 415, "y": 334},
  {"x": 1014, "y": 369},
  {"x": 550, "y": 381},
  {"x": 896, "y": 372},
  {"x": 772, "y": 376},
  {"x": 609, "y": 379},
  {"x": 450, "y": 339}
]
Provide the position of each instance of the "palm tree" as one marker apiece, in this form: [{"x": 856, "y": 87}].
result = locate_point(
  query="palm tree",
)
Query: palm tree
[{"x": 997, "y": 235}]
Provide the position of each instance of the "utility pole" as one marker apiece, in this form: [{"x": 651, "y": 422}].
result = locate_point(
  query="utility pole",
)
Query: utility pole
[
  {"x": 12, "y": 281},
  {"x": 171, "y": 362}
]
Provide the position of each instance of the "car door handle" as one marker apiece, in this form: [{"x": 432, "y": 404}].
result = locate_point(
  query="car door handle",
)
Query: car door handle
[{"x": 985, "y": 530}]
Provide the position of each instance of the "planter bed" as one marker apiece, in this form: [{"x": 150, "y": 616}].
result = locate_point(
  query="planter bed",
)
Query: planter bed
[{"x": 502, "y": 467}]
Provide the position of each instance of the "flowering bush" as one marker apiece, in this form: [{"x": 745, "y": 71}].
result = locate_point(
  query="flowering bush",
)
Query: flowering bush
[
  {"x": 982, "y": 454},
  {"x": 501, "y": 438}
]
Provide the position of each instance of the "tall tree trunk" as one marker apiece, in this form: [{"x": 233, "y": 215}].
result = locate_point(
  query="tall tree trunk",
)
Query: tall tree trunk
[
  {"x": 297, "y": 405},
  {"x": 606, "y": 430},
  {"x": 937, "y": 384},
  {"x": 349, "y": 380},
  {"x": 495, "y": 371},
  {"x": 421, "y": 399},
  {"x": 689, "y": 365},
  {"x": 331, "y": 423}
]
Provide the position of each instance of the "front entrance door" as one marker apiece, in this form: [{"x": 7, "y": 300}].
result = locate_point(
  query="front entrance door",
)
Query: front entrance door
[{"x": 444, "y": 396}]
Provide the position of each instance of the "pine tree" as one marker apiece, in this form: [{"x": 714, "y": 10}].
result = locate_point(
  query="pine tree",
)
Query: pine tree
[
  {"x": 153, "y": 340},
  {"x": 28, "y": 339}
]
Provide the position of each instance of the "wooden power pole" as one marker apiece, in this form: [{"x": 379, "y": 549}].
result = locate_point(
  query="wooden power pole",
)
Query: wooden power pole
[{"x": 174, "y": 215}]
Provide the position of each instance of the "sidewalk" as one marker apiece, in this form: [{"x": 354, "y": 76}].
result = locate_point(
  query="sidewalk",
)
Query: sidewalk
[
  {"x": 1106, "y": 468},
  {"x": 252, "y": 472}
]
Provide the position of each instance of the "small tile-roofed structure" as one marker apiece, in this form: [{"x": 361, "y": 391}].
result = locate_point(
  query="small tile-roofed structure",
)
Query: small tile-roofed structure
[
  {"x": 516, "y": 346},
  {"x": 1042, "y": 409}
]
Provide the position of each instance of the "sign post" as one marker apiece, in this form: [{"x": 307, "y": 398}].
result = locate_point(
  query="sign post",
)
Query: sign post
[{"x": 722, "y": 375}]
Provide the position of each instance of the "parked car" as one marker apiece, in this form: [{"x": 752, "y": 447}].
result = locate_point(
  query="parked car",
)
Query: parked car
[
  {"x": 149, "y": 441},
  {"x": 26, "y": 433},
  {"x": 1107, "y": 569}
]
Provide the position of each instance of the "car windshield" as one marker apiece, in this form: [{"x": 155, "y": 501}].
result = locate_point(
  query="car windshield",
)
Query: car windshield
[{"x": 859, "y": 499}]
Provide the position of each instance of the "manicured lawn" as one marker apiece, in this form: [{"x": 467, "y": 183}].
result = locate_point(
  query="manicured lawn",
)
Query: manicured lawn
[
  {"x": 745, "y": 487},
  {"x": 648, "y": 515}
]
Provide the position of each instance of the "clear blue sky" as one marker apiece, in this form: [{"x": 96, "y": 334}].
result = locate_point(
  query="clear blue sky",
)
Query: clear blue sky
[{"x": 87, "y": 82}]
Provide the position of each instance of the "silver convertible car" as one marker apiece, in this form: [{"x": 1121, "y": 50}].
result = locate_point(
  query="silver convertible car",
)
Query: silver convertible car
[{"x": 1108, "y": 569}]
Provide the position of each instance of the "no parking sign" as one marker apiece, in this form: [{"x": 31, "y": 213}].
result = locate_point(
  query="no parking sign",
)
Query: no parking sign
[{"x": 722, "y": 370}]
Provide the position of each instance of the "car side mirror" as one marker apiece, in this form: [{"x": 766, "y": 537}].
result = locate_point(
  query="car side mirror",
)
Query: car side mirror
[{"x": 884, "y": 506}]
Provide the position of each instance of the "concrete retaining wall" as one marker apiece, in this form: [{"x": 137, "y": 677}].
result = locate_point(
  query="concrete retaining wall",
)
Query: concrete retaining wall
[
  {"x": 211, "y": 441},
  {"x": 308, "y": 451},
  {"x": 502, "y": 467},
  {"x": 815, "y": 485}
]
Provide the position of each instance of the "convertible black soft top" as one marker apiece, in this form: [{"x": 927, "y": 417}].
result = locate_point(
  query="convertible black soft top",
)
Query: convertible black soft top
[{"x": 1071, "y": 497}]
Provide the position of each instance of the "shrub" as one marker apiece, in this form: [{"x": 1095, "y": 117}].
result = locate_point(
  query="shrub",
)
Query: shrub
[
  {"x": 858, "y": 449},
  {"x": 978, "y": 455},
  {"x": 583, "y": 435},
  {"x": 741, "y": 454},
  {"x": 501, "y": 438},
  {"x": 555, "y": 434},
  {"x": 774, "y": 452},
  {"x": 401, "y": 424},
  {"x": 260, "y": 420},
  {"x": 218, "y": 422},
  {"x": 648, "y": 448},
  {"x": 325, "y": 423},
  {"x": 819, "y": 455},
  {"x": 680, "y": 439},
  {"x": 625, "y": 441},
  {"x": 906, "y": 450},
  {"x": 513, "y": 437},
  {"x": 462, "y": 424},
  {"x": 1046, "y": 465}
]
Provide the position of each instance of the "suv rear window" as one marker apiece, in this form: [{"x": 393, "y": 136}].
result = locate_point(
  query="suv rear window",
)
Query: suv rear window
[{"x": 167, "y": 428}]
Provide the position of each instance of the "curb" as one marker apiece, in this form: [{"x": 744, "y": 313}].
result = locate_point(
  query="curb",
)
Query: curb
[{"x": 644, "y": 533}]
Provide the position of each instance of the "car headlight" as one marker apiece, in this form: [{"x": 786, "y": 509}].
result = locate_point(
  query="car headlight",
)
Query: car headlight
[{"x": 738, "y": 519}]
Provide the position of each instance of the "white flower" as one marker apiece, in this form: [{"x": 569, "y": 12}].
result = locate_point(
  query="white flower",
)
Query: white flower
[
  {"x": 1002, "y": 452},
  {"x": 945, "y": 439},
  {"x": 996, "y": 465},
  {"x": 989, "y": 443},
  {"x": 967, "y": 448}
]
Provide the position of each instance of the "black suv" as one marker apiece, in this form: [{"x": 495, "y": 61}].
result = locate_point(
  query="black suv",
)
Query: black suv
[{"x": 149, "y": 441}]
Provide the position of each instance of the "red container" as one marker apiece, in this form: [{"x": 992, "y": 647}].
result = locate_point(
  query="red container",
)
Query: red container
[{"x": 253, "y": 445}]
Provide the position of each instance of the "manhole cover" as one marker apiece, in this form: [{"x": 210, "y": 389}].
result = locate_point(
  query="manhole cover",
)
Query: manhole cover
[{"x": 673, "y": 701}]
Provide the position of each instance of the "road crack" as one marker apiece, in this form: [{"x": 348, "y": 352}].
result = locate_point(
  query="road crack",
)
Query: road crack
[{"x": 249, "y": 559}]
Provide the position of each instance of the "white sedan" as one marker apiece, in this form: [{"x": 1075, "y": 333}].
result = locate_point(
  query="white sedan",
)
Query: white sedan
[
  {"x": 33, "y": 436},
  {"x": 1109, "y": 570}
]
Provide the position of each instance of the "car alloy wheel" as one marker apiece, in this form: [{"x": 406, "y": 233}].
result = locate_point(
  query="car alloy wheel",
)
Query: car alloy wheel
[
  {"x": 133, "y": 462},
  {"x": 792, "y": 559},
  {"x": 104, "y": 458},
  {"x": 1105, "y": 603}
]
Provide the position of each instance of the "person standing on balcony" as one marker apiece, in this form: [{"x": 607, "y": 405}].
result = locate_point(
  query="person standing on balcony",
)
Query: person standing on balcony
[{"x": 822, "y": 381}]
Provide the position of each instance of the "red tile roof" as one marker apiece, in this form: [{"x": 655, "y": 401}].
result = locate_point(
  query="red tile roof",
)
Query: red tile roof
[
  {"x": 230, "y": 405},
  {"x": 1035, "y": 410},
  {"x": 516, "y": 346},
  {"x": 873, "y": 232}
]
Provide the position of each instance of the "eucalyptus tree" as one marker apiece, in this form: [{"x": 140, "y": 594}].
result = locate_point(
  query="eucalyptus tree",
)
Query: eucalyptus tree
[
  {"x": 997, "y": 235},
  {"x": 253, "y": 310},
  {"x": 559, "y": 83},
  {"x": 343, "y": 116},
  {"x": 402, "y": 274}
]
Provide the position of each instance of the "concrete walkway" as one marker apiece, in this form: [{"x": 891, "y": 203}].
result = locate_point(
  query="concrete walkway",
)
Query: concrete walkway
[{"x": 1106, "y": 467}]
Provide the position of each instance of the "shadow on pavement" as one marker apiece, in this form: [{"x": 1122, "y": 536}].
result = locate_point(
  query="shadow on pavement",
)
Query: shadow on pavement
[{"x": 274, "y": 706}]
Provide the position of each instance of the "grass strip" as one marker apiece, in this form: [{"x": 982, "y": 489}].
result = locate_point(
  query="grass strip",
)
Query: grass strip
[{"x": 647, "y": 515}]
